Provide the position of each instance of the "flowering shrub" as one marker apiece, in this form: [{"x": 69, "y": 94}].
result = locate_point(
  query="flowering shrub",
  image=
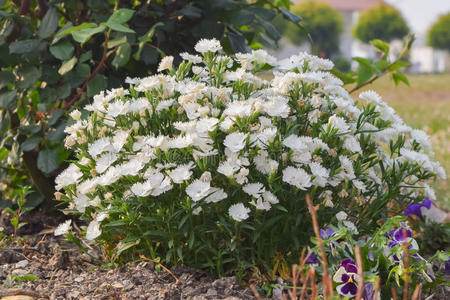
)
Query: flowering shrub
[{"x": 209, "y": 163}]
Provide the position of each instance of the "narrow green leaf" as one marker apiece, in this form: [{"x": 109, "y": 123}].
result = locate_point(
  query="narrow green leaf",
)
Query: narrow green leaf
[
  {"x": 62, "y": 50},
  {"x": 400, "y": 77},
  {"x": 67, "y": 66},
  {"x": 48, "y": 160},
  {"x": 398, "y": 65},
  {"x": 49, "y": 23}
]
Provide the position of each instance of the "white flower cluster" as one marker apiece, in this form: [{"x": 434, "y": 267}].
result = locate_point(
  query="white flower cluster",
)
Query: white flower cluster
[{"x": 214, "y": 132}]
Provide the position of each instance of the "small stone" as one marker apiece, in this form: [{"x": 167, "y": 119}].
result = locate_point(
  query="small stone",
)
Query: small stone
[
  {"x": 73, "y": 295},
  {"x": 211, "y": 292},
  {"x": 22, "y": 264},
  {"x": 19, "y": 272},
  {"x": 117, "y": 285},
  {"x": 79, "y": 279}
]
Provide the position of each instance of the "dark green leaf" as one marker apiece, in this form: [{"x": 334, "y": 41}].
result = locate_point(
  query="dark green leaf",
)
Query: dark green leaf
[
  {"x": 67, "y": 66},
  {"x": 122, "y": 55},
  {"x": 86, "y": 56},
  {"x": 55, "y": 117},
  {"x": 287, "y": 14},
  {"x": 48, "y": 160},
  {"x": 7, "y": 98},
  {"x": 28, "y": 76},
  {"x": 120, "y": 28},
  {"x": 266, "y": 14},
  {"x": 400, "y": 77},
  {"x": 96, "y": 85},
  {"x": 190, "y": 11},
  {"x": 364, "y": 74},
  {"x": 398, "y": 65},
  {"x": 62, "y": 50},
  {"x": 84, "y": 35},
  {"x": 48, "y": 24},
  {"x": 31, "y": 143},
  {"x": 57, "y": 134},
  {"x": 78, "y": 28},
  {"x": 6, "y": 30},
  {"x": 120, "y": 16},
  {"x": 83, "y": 70},
  {"x": 23, "y": 46},
  {"x": 237, "y": 40},
  {"x": 241, "y": 17},
  {"x": 270, "y": 29},
  {"x": 5, "y": 78},
  {"x": 380, "y": 45},
  {"x": 30, "y": 128}
]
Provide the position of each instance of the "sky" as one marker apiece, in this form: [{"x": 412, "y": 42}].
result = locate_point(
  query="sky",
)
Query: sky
[{"x": 421, "y": 14}]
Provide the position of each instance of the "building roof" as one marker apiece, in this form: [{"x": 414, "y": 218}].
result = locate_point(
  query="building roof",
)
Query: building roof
[{"x": 349, "y": 5}]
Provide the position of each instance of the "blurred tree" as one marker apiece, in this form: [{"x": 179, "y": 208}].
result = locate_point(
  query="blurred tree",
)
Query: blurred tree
[
  {"x": 322, "y": 22},
  {"x": 439, "y": 33},
  {"x": 382, "y": 22}
]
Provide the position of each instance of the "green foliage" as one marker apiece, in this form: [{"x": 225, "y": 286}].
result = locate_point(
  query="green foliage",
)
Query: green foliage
[
  {"x": 382, "y": 22},
  {"x": 368, "y": 71},
  {"x": 439, "y": 33},
  {"x": 54, "y": 55},
  {"x": 322, "y": 22}
]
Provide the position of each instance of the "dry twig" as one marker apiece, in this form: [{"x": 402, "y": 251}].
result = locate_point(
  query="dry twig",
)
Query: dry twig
[
  {"x": 359, "y": 265},
  {"x": 162, "y": 266}
]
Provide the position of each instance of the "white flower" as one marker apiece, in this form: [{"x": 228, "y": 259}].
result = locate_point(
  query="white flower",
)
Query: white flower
[
  {"x": 132, "y": 167},
  {"x": 100, "y": 146},
  {"x": 254, "y": 189},
  {"x": 297, "y": 177},
  {"x": 352, "y": 144},
  {"x": 359, "y": 185},
  {"x": 270, "y": 197},
  {"x": 181, "y": 173},
  {"x": 261, "y": 204},
  {"x": 118, "y": 108},
  {"x": 63, "y": 228},
  {"x": 235, "y": 141},
  {"x": 166, "y": 63},
  {"x": 339, "y": 123},
  {"x": 198, "y": 190},
  {"x": 241, "y": 177},
  {"x": 111, "y": 176},
  {"x": 371, "y": 96},
  {"x": 341, "y": 215},
  {"x": 93, "y": 230},
  {"x": 277, "y": 107},
  {"x": 81, "y": 202},
  {"x": 195, "y": 59},
  {"x": 120, "y": 139},
  {"x": 205, "y": 45},
  {"x": 216, "y": 195},
  {"x": 164, "y": 104},
  {"x": 75, "y": 114},
  {"x": 69, "y": 176},
  {"x": 104, "y": 161},
  {"x": 321, "y": 174},
  {"x": 238, "y": 212}
]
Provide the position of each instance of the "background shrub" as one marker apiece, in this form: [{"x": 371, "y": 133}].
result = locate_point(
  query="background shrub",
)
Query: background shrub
[
  {"x": 381, "y": 22},
  {"x": 322, "y": 22},
  {"x": 439, "y": 33}
]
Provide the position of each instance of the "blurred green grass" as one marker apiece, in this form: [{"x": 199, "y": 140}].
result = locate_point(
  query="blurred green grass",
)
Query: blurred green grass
[{"x": 424, "y": 104}]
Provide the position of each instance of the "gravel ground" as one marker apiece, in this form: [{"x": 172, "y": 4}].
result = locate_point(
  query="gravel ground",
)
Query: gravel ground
[{"x": 66, "y": 273}]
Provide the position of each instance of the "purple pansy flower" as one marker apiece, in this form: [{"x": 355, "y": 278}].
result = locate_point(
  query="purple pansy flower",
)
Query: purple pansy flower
[
  {"x": 397, "y": 237},
  {"x": 312, "y": 258},
  {"x": 416, "y": 208},
  {"x": 348, "y": 277},
  {"x": 368, "y": 291},
  {"x": 447, "y": 267},
  {"x": 329, "y": 232}
]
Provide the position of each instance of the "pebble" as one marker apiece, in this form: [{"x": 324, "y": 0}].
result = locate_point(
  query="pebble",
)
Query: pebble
[
  {"x": 22, "y": 264},
  {"x": 78, "y": 279},
  {"x": 19, "y": 272}
]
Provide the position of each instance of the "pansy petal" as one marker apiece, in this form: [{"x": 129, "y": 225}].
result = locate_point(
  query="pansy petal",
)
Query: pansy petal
[
  {"x": 338, "y": 275},
  {"x": 348, "y": 289}
]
